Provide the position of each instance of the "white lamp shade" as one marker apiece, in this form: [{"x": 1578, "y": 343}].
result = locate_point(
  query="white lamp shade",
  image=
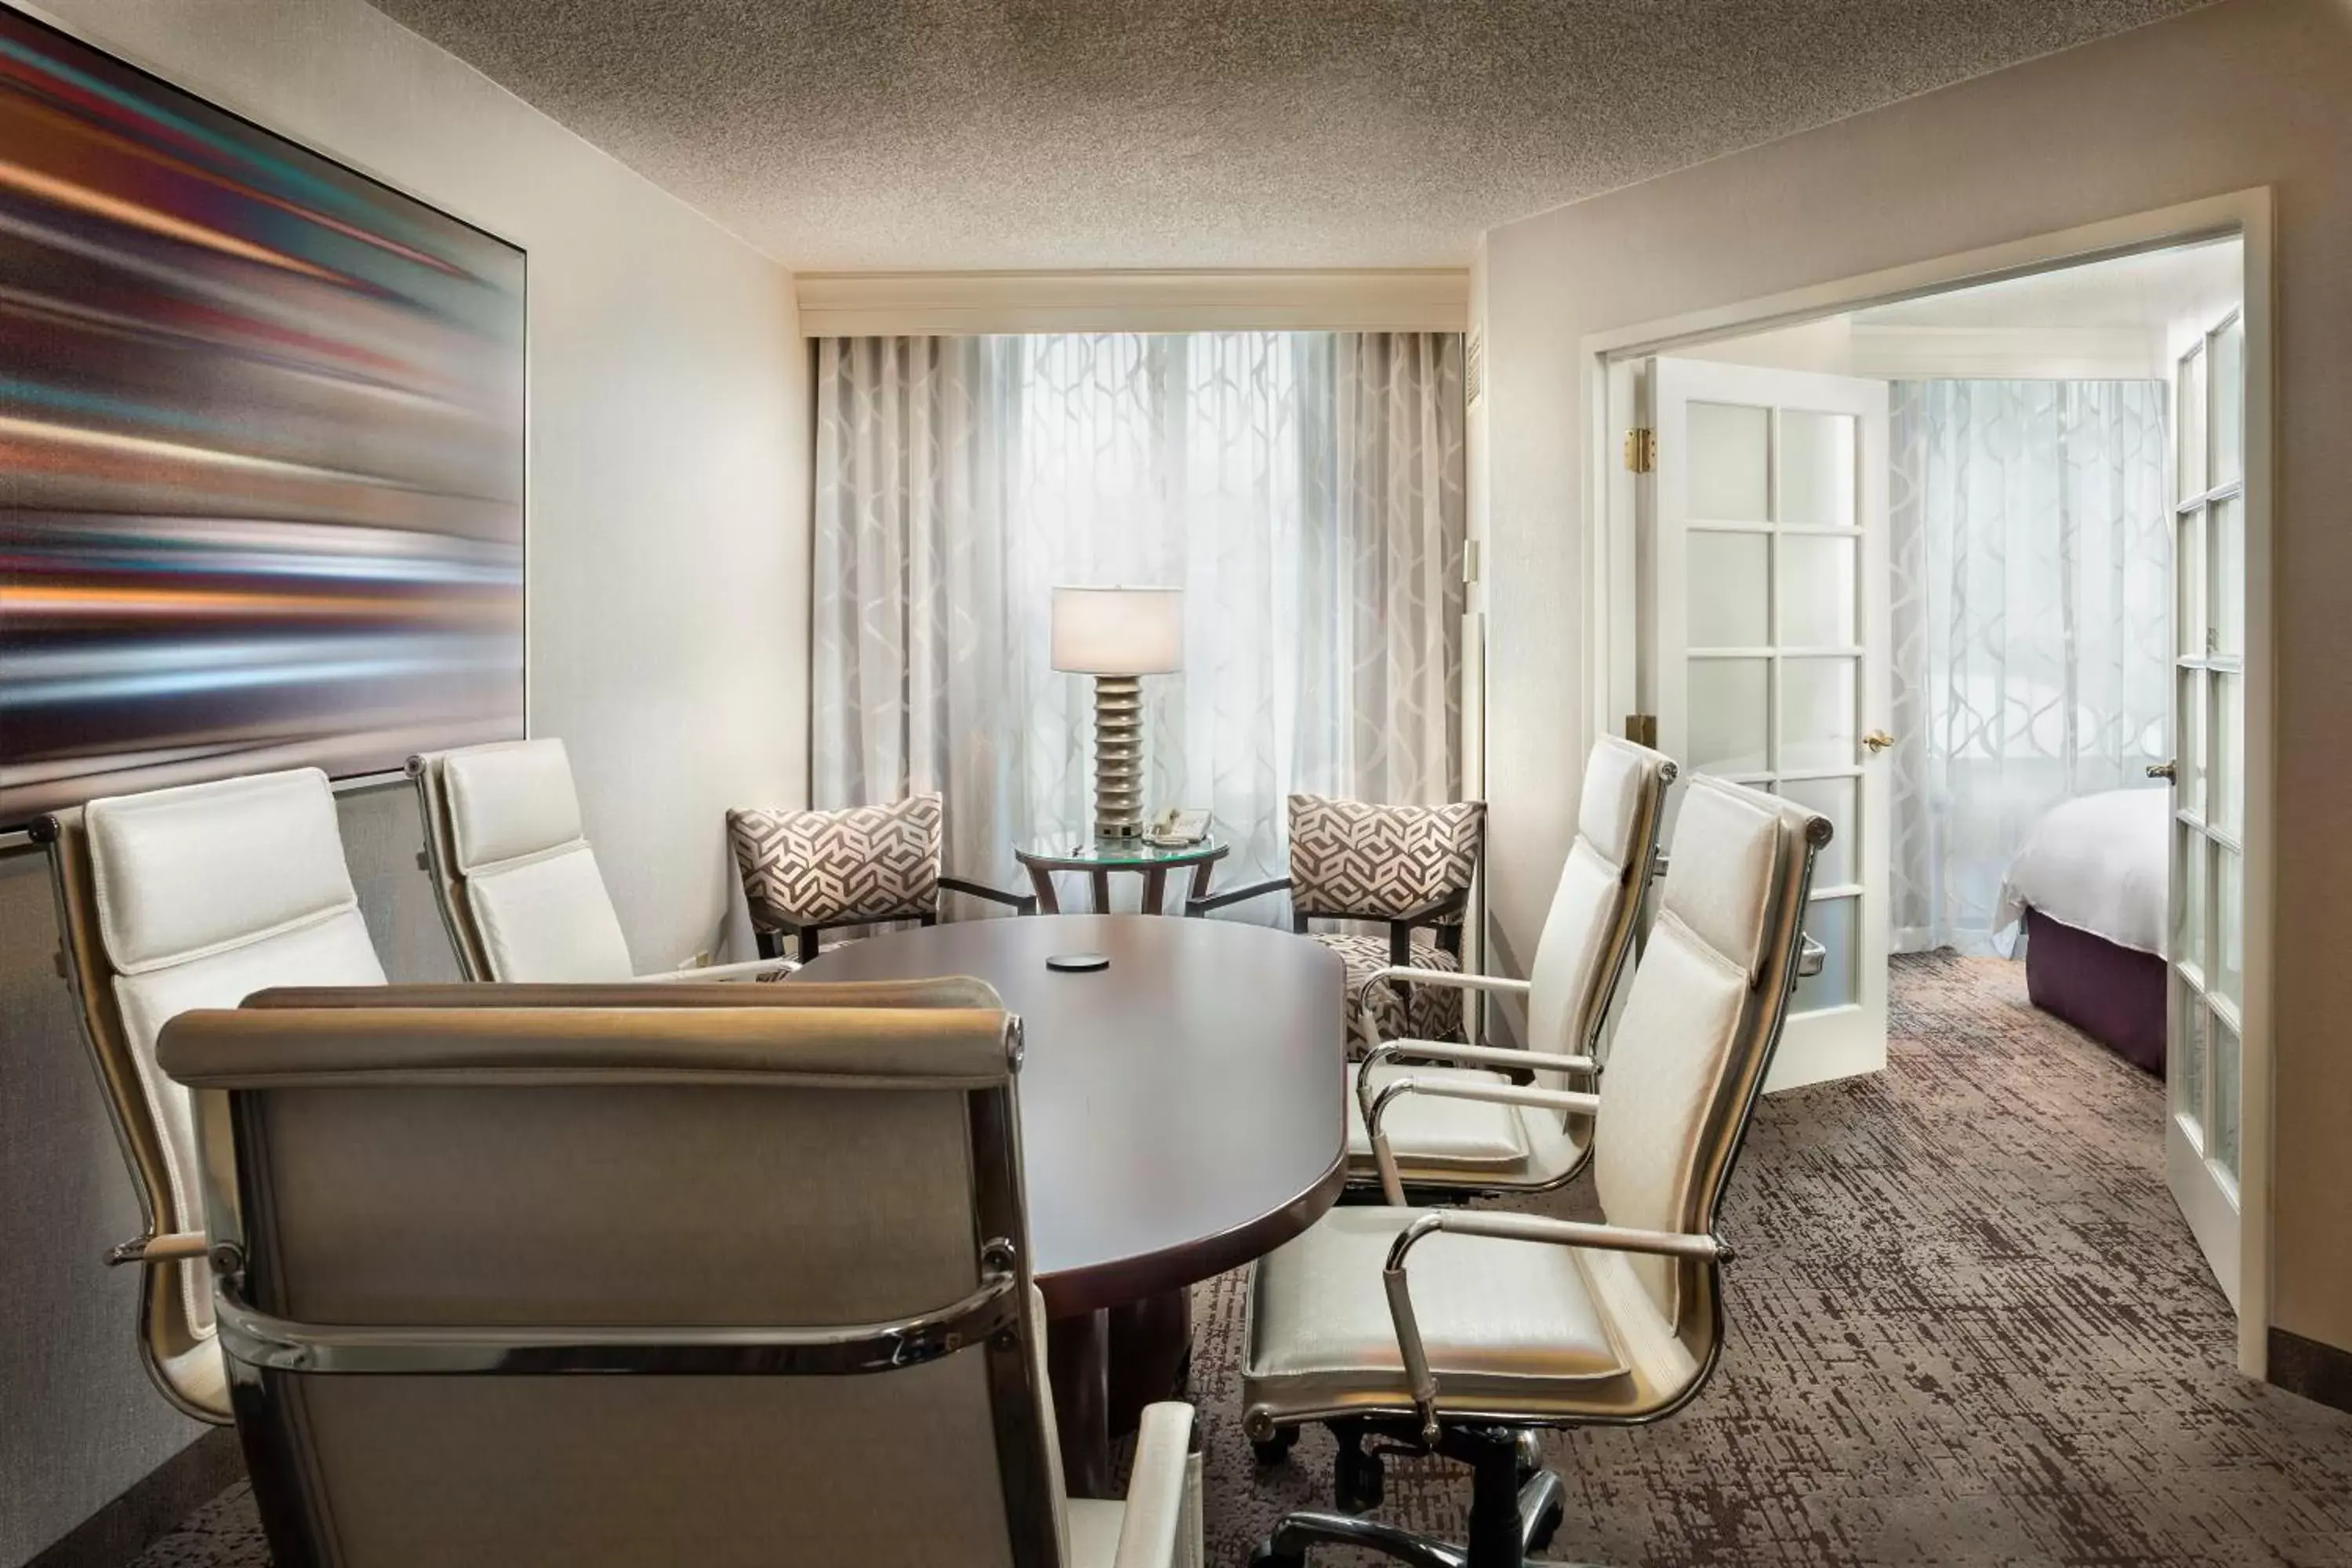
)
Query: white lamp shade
[{"x": 1118, "y": 631}]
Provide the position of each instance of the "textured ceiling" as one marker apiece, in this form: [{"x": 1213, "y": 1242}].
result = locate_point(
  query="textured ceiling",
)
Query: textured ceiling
[{"x": 949, "y": 135}]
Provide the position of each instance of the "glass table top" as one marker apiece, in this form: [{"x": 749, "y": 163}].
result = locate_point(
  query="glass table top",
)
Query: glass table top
[{"x": 1080, "y": 850}]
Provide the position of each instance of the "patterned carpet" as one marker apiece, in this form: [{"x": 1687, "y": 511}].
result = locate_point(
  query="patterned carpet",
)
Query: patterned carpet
[{"x": 1968, "y": 1328}]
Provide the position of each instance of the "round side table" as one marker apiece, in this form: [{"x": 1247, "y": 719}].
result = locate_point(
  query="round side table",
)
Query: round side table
[{"x": 1098, "y": 857}]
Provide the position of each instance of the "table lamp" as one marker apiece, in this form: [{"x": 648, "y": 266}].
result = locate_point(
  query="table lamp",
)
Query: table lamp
[{"x": 1117, "y": 636}]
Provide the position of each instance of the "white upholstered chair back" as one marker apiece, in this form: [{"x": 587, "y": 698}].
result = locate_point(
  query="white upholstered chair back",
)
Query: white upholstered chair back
[
  {"x": 194, "y": 898},
  {"x": 517, "y": 884},
  {"x": 1703, "y": 1015},
  {"x": 600, "y": 1192},
  {"x": 1594, "y": 911}
]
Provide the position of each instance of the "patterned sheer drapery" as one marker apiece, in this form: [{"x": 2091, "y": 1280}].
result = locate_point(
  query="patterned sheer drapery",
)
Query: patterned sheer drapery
[
  {"x": 2032, "y": 620},
  {"x": 1305, "y": 489}
]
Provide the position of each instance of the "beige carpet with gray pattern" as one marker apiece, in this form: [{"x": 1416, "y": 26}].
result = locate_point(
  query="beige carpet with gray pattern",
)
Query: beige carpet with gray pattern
[{"x": 1968, "y": 1327}]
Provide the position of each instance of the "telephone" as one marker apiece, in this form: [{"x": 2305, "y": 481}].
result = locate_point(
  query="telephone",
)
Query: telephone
[{"x": 1178, "y": 828}]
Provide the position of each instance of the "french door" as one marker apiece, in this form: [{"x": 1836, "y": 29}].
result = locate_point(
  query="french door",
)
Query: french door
[
  {"x": 2206, "y": 953},
  {"x": 1764, "y": 519}
]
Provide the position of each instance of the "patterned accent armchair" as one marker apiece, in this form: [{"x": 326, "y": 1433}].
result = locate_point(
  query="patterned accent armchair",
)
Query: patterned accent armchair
[
  {"x": 808, "y": 872},
  {"x": 1406, "y": 867}
]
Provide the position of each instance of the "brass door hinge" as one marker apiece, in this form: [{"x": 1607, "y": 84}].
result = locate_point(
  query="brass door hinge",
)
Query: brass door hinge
[
  {"x": 1642, "y": 729},
  {"x": 1641, "y": 449}
]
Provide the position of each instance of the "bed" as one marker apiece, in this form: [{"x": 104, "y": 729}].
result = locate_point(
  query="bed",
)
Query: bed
[{"x": 2088, "y": 888}]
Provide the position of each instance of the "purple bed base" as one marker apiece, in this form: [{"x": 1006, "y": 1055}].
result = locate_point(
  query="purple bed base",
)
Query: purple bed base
[{"x": 2112, "y": 994}]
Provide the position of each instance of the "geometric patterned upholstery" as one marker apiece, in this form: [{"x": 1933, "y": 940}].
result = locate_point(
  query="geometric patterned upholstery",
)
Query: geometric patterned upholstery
[
  {"x": 1353, "y": 860},
  {"x": 839, "y": 868},
  {"x": 1398, "y": 1012}
]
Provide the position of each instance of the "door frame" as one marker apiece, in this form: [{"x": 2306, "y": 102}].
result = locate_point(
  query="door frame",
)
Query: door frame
[{"x": 1605, "y": 365}]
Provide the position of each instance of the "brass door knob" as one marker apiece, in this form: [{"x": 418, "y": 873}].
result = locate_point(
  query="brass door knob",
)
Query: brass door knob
[
  {"x": 1877, "y": 741},
  {"x": 2160, "y": 770}
]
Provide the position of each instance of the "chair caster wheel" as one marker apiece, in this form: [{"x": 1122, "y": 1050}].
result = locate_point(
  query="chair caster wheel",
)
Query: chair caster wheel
[
  {"x": 1547, "y": 1526},
  {"x": 1265, "y": 1556},
  {"x": 1356, "y": 1480},
  {"x": 1273, "y": 1450},
  {"x": 1530, "y": 1457}
]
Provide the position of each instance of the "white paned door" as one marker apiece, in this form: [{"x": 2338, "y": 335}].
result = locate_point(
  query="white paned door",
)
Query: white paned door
[
  {"x": 1764, "y": 519},
  {"x": 2206, "y": 948}
]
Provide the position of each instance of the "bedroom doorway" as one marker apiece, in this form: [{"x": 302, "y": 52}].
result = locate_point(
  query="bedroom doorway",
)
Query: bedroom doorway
[{"x": 2013, "y": 669}]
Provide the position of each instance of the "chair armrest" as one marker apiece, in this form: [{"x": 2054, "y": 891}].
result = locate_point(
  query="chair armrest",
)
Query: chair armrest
[
  {"x": 165, "y": 1248},
  {"x": 1444, "y": 977},
  {"x": 1452, "y": 903},
  {"x": 1020, "y": 903},
  {"x": 749, "y": 969},
  {"x": 1475, "y": 1055},
  {"x": 1159, "y": 1505},
  {"x": 1500, "y": 1227},
  {"x": 1392, "y": 1182},
  {"x": 1505, "y": 1056},
  {"x": 1201, "y": 906}
]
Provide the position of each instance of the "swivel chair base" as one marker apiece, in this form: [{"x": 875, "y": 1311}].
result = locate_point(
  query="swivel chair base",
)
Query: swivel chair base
[{"x": 1513, "y": 1513}]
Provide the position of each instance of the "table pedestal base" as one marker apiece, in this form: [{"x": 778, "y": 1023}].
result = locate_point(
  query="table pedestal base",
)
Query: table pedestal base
[{"x": 1105, "y": 1366}]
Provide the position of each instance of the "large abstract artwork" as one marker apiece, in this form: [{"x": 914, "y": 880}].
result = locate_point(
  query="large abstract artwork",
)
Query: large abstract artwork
[{"x": 261, "y": 449}]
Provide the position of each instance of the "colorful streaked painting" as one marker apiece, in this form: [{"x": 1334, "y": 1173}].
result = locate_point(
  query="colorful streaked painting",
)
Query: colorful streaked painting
[{"x": 261, "y": 449}]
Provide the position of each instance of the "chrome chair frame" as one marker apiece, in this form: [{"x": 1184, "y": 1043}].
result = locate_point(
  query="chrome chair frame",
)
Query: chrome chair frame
[{"x": 165, "y": 1335}]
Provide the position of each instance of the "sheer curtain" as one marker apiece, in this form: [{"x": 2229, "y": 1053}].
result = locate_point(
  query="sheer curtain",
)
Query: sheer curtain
[
  {"x": 1304, "y": 488},
  {"x": 2032, "y": 619}
]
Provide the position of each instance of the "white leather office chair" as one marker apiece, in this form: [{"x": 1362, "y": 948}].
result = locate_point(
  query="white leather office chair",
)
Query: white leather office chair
[
  {"x": 1461, "y": 1146},
  {"x": 1461, "y": 1331},
  {"x": 193, "y": 897},
  {"x": 736, "y": 1276},
  {"x": 517, "y": 884}
]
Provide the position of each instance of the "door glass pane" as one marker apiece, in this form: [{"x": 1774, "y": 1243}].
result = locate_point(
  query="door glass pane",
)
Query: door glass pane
[
  {"x": 1816, "y": 590},
  {"x": 2229, "y": 922},
  {"x": 1729, "y": 704},
  {"x": 2225, "y": 784},
  {"x": 1834, "y": 798},
  {"x": 1817, "y": 703},
  {"x": 2221, "y": 1144},
  {"x": 2186, "y": 1069},
  {"x": 2189, "y": 902},
  {"x": 2188, "y": 761},
  {"x": 2191, "y": 398},
  {"x": 1726, "y": 463},
  {"x": 1831, "y": 922},
  {"x": 1817, "y": 469},
  {"x": 2228, "y": 402},
  {"x": 2226, "y": 598},
  {"x": 2188, "y": 584},
  {"x": 1726, "y": 575}
]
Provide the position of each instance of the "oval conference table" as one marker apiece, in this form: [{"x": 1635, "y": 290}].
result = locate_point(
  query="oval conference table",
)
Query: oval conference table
[{"x": 1182, "y": 1113}]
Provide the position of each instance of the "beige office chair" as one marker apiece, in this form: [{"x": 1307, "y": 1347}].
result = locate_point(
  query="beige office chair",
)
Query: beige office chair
[
  {"x": 518, "y": 884},
  {"x": 643, "y": 1276},
  {"x": 1459, "y": 1146},
  {"x": 1460, "y": 1331},
  {"x": 193, "y": 897}
]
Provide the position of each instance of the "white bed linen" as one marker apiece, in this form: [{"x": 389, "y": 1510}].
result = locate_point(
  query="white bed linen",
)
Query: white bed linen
[{"x": 2097, "y": 863}]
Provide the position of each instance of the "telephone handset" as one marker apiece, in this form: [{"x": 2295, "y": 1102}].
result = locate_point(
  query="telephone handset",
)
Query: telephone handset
[{"x": 1178, "y": 828}]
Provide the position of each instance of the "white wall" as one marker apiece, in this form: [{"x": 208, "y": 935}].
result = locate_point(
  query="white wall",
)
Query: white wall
[
  {"x": 2249, "y": 93},
  {"x": 668, "y": 592}
]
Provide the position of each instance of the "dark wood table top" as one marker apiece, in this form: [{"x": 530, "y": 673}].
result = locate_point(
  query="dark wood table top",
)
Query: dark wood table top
[{"x": 1181, "y": 1112}]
